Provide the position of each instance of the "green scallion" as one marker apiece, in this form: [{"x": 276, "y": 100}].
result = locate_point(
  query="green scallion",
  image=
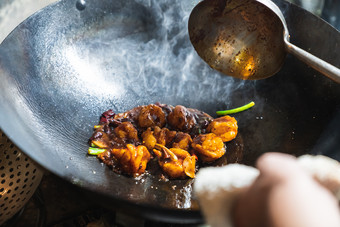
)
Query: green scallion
[
  {"x": 236, "y": 110},
  {"x": 95, "y": 151}
]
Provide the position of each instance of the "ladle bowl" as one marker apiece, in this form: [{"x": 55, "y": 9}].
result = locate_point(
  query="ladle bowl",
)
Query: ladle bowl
[{"x": 247, "y": 39}]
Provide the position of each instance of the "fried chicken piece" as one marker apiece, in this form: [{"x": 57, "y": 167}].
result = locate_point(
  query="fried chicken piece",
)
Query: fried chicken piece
[
  {"x": 164, "y": 136},
  {"x": 149, "y": 140},
  {"x": 126, "y": 131},
  {"x": 151, "y": 116},
  {"x": 132, "y": 160},
  {"x": 132, "y": 114},
  {"x": 181, "y": 119},
  {"x": 208, "y": 147},
  {"x": 175, "y": 162},
  {"x": 161, "y": 136},
  {"x": 182, "y": 141},
  {"x": 224, "y": 127}
]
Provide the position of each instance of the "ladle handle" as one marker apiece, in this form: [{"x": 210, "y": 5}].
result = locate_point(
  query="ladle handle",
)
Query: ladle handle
[{"x": 323, "y": 67}]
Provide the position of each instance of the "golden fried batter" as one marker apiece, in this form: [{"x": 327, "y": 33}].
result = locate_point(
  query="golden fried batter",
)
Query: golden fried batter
[
  {"x": 132, "y": 159},
  {"x": 164, "y": 136},
  {"x": 161, "y": 136},
  {"x": 149, "y": 140},
  {"x": 224, "y": 127},
  {"x": 208, "y": 147},
  {"x": 175, "y": 162},
  {"x": 182, "y": 140}
]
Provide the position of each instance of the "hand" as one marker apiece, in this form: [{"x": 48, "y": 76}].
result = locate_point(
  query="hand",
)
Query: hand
[{"x": 284, "y": 195}]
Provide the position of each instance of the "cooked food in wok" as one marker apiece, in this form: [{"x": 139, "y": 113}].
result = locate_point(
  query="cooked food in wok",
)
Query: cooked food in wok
[{"x": 177, "y": 138}]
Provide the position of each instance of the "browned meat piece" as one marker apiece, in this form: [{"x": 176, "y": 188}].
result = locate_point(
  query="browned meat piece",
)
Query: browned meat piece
[
  {"x": 208, "y": 147},
  {"x": 132, "y": 160},
  {"x": 202, "y": 121},
  {"x": 149, "y": 140},
  {"x": 182, "y": 141},
  {"x": 100, "y": 139},
  {"x": 161, "y": 136},
  {"x": 165, "y": 107},
  {"x": 108, "y": 158},
  {"x": 164, "y": 136},
  {"x": 132, "y": 114},
  {"x": 224, "y": 127},
  {"x": 175, "y": 162},
  {"x": 181, "y": 119},
  {"x": 151, "y": 116},
  {"x": 127, "y": 132}
]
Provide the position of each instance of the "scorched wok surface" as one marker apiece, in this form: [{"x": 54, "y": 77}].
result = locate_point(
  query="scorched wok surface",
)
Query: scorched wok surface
[{"x": 63, "y": 67}]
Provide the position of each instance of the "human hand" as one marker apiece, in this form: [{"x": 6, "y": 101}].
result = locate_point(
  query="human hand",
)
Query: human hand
[{"x": 284, "y": 195}]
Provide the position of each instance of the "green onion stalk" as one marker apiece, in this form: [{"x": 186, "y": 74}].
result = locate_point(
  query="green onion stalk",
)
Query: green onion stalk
[
  {"x": 95, "y": 151},
  {"x": 236, "y": 110}
]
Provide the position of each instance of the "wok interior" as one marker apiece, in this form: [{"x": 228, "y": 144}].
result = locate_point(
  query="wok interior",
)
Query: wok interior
[{"x": 63, "y": 67}]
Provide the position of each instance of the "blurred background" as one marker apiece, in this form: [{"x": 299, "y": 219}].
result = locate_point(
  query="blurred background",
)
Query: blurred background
[{"x": 329, "y": 10}]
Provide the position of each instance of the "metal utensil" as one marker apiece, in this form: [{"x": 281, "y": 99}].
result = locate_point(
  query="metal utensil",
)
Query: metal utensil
[
  {"x": 247, "y": 39},
  {"x": 19, "y": 178}
]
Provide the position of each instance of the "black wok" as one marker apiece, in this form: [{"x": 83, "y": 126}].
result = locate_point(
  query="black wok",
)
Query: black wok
[{"x": 65, "y": 65}]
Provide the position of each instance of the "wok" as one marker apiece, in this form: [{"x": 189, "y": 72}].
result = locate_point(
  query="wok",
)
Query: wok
[{"x": 65, "y": 65}]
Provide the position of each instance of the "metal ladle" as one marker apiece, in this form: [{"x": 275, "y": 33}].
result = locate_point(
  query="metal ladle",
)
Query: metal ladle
[{"x": 247, "y": 39}]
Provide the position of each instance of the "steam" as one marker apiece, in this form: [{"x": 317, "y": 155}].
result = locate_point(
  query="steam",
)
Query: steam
[
  {"x": 170, "y": 56},
  {"x": 134, "y": 53}
]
